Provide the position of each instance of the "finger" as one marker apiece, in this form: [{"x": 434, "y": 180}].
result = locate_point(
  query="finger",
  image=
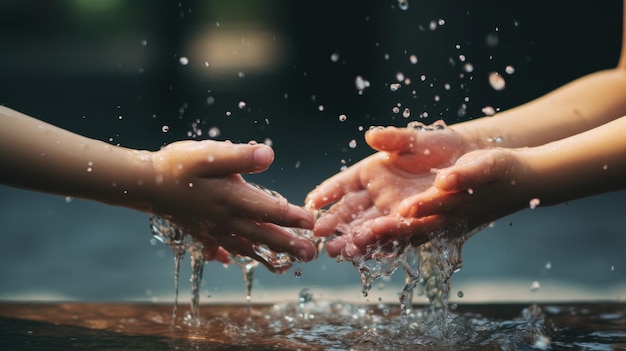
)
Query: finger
[
  {"x": 223, "y": 256},
  {"x": 223, "y": 158},
  {"x": 388, "y": 228},
  {"x": 392, "y": 139},
  {"x": 474, "y": 171},
  {"x": 335, "y": 246},
  {"x": 276, "y": 239},
  {"x": 237, "y": 245},
  {"x": 421, "y": 204},
  {"x": 262, "y": 205},
  {"x": 218, "y": 253},
  {"x": 343, "y": 213},
  {"x": 334, "y": 188}
]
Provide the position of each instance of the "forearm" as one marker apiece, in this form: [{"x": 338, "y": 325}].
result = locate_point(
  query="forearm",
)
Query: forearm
[
  {"x": 38, "y": 156},
  {"x": 581, "y": 105},
  {"x": 585, "y": 164}
]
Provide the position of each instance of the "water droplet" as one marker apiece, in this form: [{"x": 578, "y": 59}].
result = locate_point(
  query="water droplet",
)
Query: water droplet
[
  {"x": 413, "y": 59},
  {"x": 183, "y": 60},
  {"x": 509, "y": 69},
  {"x": 305, "y": 296},
  {"x": 460, "y": 294},
  {"x": 534, "y": 286},
  {"x": 165, "y": 129},
  {"x": 343, "y": 118},
  {"x": 394, "y": 86},
  {"x": 361, "y": 83},
  {"x": 320, "y": 108},
  {"x": 406, "y": 113},
  {"x": 241, "y": 105},
  {"x": 214, "y": 132},
  {"x": 352, "y": 144},
  {"x": 534, "y": 203},
  {"x": 334, "y": 57},
  {"x": 468, "y": 67},
  {"x": 489, "y": 111},
  {"x": 492, "y": 40},
  {"x": 496, "y": 81},
  {"x": 403, "y": 4},
  {"x": 399, "y": 76},
  {"x": 297, "y": 273}
]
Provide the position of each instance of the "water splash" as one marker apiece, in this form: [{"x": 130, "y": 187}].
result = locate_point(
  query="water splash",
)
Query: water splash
[
  {"x": 248, "y": 266},
  {"x": 428, "y": 268},
  {"x": 169, "y": 234},
  {"x": 181, "y": 242},
  {"x": 197, "y": 267}
]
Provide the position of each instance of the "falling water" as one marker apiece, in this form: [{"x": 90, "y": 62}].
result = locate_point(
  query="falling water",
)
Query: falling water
[
  {"x": 197, "y": 266},
  {"x": 248, "y": 265},
  {"x": 172, "y": 236}
]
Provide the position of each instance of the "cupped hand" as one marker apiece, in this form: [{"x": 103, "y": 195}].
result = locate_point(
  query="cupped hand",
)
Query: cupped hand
[
  {"x": 482, "y": 186},
  {"x": 365, "y": 196},
  {"x": 198, "y": 186}
]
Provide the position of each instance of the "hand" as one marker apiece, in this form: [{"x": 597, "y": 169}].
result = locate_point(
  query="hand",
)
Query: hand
[
  {"x": 366, "y": 195},
  {"x": 482, "y": 186},
  {"x": 198, "y": 187}
]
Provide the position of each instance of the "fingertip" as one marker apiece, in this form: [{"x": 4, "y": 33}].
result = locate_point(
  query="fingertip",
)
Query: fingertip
[
  {"x": 335, "y": 246},
  {"x": 263, "y": 157},
  {"x": 408, "y": 208},
  {"x": 379, "y": 137},
  {"x": 308, "y": 252},
  {"x": 447, "y": 181}
]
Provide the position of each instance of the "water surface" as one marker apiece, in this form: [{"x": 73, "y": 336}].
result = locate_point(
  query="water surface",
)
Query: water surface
[{"x": 314, "y": 325}]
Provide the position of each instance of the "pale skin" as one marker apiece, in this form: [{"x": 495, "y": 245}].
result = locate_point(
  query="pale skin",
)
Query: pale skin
[
  {"x": 567, "y": 144},
  {"x": 195, "y": 184}
]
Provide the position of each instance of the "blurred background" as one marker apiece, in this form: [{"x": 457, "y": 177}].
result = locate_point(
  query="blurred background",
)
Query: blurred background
[{"x": 142, "y": 74}]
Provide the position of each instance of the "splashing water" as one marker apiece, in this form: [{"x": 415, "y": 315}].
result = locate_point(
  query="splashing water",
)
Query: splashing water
[
  {"x": 164, "y": 231},
  {"x": 248, "y": 266},
  {"x": 197, "y": 266},
  {"x": 181, "y": 242},
  {"x": 428, "y": 268}
]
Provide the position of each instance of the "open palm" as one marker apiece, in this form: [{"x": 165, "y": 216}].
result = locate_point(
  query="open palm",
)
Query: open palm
[{"x": 365, "y": 196}]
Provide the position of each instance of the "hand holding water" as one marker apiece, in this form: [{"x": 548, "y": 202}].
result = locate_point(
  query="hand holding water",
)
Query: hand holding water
[
  {"x": 199, "y": 188},
  {"x": 471, "y": 189},
  {"x": 365, "y": 196}
]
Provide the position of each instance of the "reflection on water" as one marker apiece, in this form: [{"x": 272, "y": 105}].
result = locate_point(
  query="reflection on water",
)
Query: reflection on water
[{"x": 313, "y": 325}]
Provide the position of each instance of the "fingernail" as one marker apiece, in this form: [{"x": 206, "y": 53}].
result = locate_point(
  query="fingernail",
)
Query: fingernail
[{"x": 263, "y": 157}]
